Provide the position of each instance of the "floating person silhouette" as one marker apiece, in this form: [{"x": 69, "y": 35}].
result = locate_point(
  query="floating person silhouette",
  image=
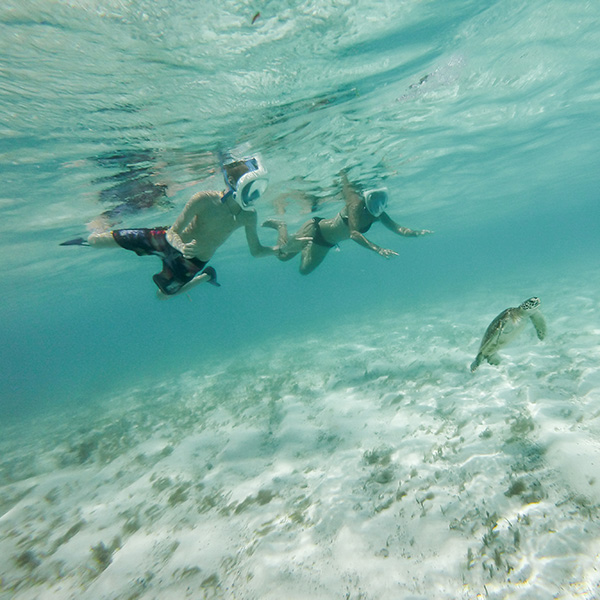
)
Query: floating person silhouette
[
  {"x": 317, "y": 236},
  {"x": 206, "y": 222},
  {"x": 506, "y": 327},
  {"x": 135, "y": 187}
]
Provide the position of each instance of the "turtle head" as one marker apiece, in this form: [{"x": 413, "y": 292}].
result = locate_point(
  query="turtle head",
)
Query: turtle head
[{"x": 531, "y": 304}]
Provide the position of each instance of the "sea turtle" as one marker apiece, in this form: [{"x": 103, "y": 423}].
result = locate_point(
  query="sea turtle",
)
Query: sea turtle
[{"x": 506, "y": 327}]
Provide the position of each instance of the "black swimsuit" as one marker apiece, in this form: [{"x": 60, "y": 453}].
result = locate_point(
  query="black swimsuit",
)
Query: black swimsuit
[
  {"x": 363, "y": 230},
  {"x": 317, "y": 236},
  {"x": 177, "y": 270},
  {"x": 319, "y": 239}
]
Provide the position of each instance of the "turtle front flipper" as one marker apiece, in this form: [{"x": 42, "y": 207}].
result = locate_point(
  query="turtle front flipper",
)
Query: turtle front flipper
[
  {"x": 494, "y": 359},
  {"x": 539, "y": 323}
]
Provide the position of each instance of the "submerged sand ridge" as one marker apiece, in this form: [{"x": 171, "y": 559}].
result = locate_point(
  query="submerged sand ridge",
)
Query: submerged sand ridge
[{"x": 369, "y": 463}]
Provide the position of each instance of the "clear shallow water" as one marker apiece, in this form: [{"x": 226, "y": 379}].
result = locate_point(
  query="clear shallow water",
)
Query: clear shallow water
[{"x": 482, "y": 121}]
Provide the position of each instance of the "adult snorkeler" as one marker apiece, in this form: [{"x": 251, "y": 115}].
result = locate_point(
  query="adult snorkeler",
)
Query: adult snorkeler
[
  {"x": 205, "y": 223},
  {"x": 317, "y": 236}
]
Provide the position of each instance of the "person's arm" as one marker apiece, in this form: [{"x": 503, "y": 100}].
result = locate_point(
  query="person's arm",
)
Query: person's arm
[
  {"x": 388, "y": 222},
  {"x": 256, "y": 248},
  {"x": 355, "y": 207},
  {"x": 353, "y": 212},
  {"x": 359, "y": 238}
]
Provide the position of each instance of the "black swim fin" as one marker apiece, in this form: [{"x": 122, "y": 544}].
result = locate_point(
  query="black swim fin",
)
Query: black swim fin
[
  {"x": 213, "y": 276},
  {"x": 75, "y": 242}
]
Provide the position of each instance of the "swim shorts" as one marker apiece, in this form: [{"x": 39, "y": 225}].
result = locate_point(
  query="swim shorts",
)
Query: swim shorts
[{"x": 177, "y": 270}]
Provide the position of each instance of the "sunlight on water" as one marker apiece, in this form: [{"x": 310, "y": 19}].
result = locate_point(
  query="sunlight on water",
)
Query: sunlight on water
[{"x": 286, "y": 436}]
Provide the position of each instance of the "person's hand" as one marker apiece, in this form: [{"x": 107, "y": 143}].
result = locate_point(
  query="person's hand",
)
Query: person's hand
[
  {"x": 189, "y": 249},
  {"x": 413, "y": 232},
  {"x": 386, "y": 252}
]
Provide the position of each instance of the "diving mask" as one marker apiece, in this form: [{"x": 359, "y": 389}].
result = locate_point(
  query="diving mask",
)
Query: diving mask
[
  {"x": 251, "y": 185},
  {"x": 376, "y": 201}
]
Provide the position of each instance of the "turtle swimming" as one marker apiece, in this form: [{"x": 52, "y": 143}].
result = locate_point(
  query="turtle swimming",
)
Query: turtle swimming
[{"x": 506, "y": 327}]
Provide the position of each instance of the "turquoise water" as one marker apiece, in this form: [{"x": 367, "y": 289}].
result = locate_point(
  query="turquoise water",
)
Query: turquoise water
[{"x": 279, "y": 393}]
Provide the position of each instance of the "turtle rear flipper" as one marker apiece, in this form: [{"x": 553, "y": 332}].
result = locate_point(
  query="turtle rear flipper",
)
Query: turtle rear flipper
[{"x": 494, "y": 359}]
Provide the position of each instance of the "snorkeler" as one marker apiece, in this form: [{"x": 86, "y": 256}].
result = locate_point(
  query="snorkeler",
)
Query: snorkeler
[
  {"x": 205, "y": 223},
  {"x": 316, "y": 237}
]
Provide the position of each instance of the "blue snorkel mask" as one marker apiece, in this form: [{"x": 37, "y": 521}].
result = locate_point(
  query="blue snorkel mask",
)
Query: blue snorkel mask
[
  {"x": 376, "y": 201},
  {"x": 250, "y": 186}
]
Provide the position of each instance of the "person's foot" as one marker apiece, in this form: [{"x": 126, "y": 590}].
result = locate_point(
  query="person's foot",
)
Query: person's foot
[
  {"x": 162, "y": 283},
  {"x": 213, "y": 276},
  {"x": 75, "y": 242}
]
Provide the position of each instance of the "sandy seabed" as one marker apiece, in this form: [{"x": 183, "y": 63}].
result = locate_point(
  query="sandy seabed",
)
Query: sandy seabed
[{"x": 367, "y": 463}]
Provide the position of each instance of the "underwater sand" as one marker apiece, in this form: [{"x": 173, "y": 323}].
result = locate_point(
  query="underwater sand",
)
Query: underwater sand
[{"x": 364, "y": 463}]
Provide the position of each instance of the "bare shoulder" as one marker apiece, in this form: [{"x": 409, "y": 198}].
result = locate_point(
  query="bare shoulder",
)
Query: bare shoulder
[
  {"x": 353, "y": 200},
  {"x": 202, "y": 201},
  {"x": 205, "y": 197},
  {"x": 353, "y": 210}
]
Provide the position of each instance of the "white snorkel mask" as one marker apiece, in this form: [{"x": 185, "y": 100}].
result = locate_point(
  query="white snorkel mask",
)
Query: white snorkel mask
[
  {"x": 251, "y": 185},
  {"x": 376, "y": 201}
]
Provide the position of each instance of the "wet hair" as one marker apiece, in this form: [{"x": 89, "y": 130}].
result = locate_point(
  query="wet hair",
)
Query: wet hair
[{"x": 234, "y": 171}]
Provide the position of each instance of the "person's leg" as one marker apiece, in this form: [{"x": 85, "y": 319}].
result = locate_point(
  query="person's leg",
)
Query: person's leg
[
  {"x": 312, "y": 256},
  {"x": 102, "y": 240},
  {"x": 289, "y": 247},
  {"x": 281, "y": 227},
  {"x": 98, "y": 240}
]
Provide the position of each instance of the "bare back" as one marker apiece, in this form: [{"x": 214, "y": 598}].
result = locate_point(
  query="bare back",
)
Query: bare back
[
  {"x": 206, "y": 220},
  {"x": 354, "y": 217},
  {"x": 335, "y": 230}
]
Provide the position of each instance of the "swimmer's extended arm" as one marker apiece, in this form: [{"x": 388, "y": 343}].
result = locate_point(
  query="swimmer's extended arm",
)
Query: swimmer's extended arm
[
  {"x": 349, "y": 190},
  {"x": 388, "y": 222},
  {"x": 359, "y": 238},
  {"x": 354, "y": 211},
  {"x": 256, "y": 248}
]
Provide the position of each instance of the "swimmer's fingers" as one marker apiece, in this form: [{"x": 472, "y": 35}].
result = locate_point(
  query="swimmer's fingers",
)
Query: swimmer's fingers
[
  {"x": 386, "y": 252},
  {"x": 189, "y": 249},
  {"x": 424, "y": 232}
]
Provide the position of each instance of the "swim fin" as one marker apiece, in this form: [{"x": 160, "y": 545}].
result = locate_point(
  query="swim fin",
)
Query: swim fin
[
  {"x": 213, "y": 276},
  {"x": 75, "y": 242}
]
